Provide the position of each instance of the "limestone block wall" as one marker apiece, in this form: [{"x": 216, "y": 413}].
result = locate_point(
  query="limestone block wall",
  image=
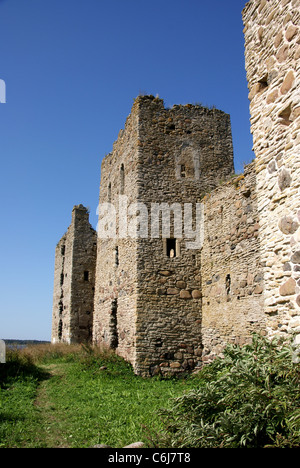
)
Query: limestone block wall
[
  {"x": 74, "y": 281},
  {"x": 272, "y": 56},
  {"x": 231, "y": 272}
]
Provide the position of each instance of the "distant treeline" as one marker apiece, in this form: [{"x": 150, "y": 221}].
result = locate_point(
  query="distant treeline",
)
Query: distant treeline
[{"x": 24, "y": 342}]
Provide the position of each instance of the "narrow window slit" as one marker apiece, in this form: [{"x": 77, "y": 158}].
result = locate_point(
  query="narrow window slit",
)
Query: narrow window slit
[{"x": 171, "y": 248}]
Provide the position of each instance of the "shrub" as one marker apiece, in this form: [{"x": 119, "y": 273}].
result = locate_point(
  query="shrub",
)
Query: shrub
[{"x": 249, "y": 398}]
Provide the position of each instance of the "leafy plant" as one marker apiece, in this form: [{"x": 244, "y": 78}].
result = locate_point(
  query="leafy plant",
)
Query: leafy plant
[{"x": 249, "y": 398}]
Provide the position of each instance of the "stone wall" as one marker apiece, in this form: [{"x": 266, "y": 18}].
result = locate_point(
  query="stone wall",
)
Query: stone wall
[
  {"x": 116, "y": 271},
  {"x": 272, "y": 52},
  {"x": 232, "y": 279},
  {"x": 184, "y": 152},
  {"x": 74, "y": 280},
  {"x": 148, "y": 305}
]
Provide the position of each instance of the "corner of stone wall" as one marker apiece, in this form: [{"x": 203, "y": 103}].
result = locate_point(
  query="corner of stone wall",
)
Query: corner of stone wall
[{"x": 272, "y": 53}]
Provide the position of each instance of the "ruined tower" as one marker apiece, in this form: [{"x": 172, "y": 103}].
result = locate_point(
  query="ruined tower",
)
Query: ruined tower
[
  {"x": 148, "y": 278},
  {"x": 74, "y": 281}
]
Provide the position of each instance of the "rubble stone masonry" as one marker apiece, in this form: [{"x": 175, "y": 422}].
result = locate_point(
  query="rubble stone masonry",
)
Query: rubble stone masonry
[
  {"x": 232, "y": 277},
  {"x": 148, "y": 302},
  {"x": 272, "y": 53}
]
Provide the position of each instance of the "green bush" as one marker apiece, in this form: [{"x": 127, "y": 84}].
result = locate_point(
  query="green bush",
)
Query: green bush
[{"x": 249, "y": 398}]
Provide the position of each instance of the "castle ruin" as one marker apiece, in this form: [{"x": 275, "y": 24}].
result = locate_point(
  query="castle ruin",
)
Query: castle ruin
[{"x": 188, "y": 255}]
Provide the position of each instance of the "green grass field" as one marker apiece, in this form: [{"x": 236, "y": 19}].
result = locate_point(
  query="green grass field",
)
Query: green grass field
[{"x": 56, "y": 396}]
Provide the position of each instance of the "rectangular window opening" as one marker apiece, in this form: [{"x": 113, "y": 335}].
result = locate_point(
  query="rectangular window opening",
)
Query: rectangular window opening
[
  {"x": 171, "y": 248},
  {"x": 86, "y": 276},
  {"x": 117, "y": 256},
  {"x": 114, "y": 338}
]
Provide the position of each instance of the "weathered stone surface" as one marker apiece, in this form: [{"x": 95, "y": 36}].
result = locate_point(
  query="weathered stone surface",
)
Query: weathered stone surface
[
  {"x": 275, "y": 127},
  {"x": 172, "y": 291},
  {"x": 165, "y": 273},
  {"x": 135, "y": 445},
  {"x": 258, "y": 289},
  {"x": 288, "y": 225},
  {"x": 288, "y": 288},
  {"x": 196, "y": 294},
  {"x": 288, "y": 82},
  {"x": 284, "y": 179},
  {"x": 185, "y": 294},
  {"x": 282, "y": 53},
  {"x": 272, "y": 96},
  {"x": 291, "y": 32},
  {"x": 175, "y": 365},
  {"x": 296, "y": 257}
]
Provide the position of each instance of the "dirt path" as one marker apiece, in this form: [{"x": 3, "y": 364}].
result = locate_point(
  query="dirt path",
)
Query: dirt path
[{"x": 50, "y": 435}]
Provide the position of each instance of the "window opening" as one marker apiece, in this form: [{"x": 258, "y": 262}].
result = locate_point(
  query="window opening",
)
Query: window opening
[
  {"x": 109, "y": 192},
  {"x": 60, "y": 327},
  {"x": 182, "y": 171},
  {"x": 228, "y": 283},
  {"x": 122, "y": 179},
  {"x": 114, "y": 338},
  {"x": 171, "y": 248},
  {"x": 86, "y": 276},
  {"x": 117, "y": 256}
]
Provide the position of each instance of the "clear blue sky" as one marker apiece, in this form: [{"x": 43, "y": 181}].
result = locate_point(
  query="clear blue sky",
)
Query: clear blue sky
[{"x": 72, "y": 69}]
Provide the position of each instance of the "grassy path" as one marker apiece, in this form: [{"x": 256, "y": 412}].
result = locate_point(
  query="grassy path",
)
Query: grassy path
[
  {"x": 78, "y": 401},
  {"x": 50, "y": 434}
]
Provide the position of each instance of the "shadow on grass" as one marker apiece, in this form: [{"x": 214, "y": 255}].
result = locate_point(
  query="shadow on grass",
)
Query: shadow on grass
[{"x": 18, "y": 367}]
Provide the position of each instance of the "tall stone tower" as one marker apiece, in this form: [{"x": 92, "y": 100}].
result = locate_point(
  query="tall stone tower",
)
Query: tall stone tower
[
  {"x": 272, "y": 55},
  {"x": 148, "y": 281},
  {"x": 74, "y": 281}
]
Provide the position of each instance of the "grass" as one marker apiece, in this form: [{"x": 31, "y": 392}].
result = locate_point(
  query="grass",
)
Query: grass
[
  {"x": 77, "y": 397},
  {"x": 73, "y": 396}
]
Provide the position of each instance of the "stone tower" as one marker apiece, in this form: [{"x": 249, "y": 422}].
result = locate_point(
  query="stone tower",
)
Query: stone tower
[
  {"x": 272, "y": 53},
  {"x": 148, "y": 278},
  {"x": 74, "y": 281}
]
